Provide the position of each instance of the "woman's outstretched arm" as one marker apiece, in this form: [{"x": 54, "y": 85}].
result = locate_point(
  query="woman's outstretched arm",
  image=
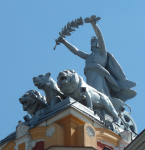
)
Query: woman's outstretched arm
[{"x": 73, "y": 49}]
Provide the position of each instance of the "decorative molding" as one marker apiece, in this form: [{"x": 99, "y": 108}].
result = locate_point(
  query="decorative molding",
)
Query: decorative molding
[
  {"x": 33, "y": 143},
  {"x": 29, "y": 143},
  {"x": 55, "y": 136},
  {"x": 108, "y": 136},
  {"x": 23, "y": 139},
  {"x": 126, "y": 136},
  {"x": 90, "y": 131},
  {"x": 21, "y": 129},
  {"x": 122, "y": 144},
  {"x": 50, "y": 131}
]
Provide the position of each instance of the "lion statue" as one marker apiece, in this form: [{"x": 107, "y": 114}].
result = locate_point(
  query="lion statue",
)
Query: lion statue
[
  {"x": 45, "y": 82},
  {"x": 71, "y": 84},
  {"x": 33, "y": 102}
]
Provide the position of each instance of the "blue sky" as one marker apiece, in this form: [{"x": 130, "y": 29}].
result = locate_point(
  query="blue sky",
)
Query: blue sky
[{"x": 27, "y": 33}]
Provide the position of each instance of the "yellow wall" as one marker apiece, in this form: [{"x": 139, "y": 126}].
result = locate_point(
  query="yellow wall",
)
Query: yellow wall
[
  {"x": 9, "y": 146},
  {"x": 58, "y": 137},
  {"x": 83, "y": 139},
  {"x": 37, "y": 133},
  {"x": 69, "y": 131},
  {"x": 70, "y": 124},
  {"x": 21, "y": 146}
]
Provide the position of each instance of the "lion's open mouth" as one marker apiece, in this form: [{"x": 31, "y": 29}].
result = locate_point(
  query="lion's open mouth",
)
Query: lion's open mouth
[
  {"x": 23, "y": 101},
  {"x": 36, "y": 83},
  {"x": 25, "y": 105}
]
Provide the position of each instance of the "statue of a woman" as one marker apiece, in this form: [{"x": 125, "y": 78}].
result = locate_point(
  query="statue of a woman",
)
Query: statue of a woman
[{"x": 102, "y": 71}]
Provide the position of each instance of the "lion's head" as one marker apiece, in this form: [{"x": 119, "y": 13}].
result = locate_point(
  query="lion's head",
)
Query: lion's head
[
  {"x": 29, "y": 102},
  {"x": 67, "y": 81},
  {"x": 41, "y": 80}
]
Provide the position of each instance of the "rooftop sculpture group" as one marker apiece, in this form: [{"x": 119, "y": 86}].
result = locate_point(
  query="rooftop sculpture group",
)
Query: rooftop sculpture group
[{"x": 106, "y": 88}]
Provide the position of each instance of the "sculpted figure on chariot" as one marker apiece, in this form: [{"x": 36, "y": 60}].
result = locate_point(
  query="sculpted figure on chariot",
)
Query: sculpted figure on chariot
[
  {"x": 106, "y": 88},
  {"x": 102, "y": 71}
]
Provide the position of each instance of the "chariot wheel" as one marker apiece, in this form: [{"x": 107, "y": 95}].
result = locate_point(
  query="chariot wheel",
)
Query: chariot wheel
[{"x": 127, "y": 123}]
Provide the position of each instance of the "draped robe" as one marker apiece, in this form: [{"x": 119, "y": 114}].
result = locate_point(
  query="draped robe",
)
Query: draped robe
[{"x": 109, "y": 79}]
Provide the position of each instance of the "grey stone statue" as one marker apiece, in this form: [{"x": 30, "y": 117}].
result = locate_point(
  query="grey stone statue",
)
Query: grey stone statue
[
  {"x": 33, "y": 102},
  {"x": 102, "y": 71},
  {"x": 45, "y": 82},
  {"x": 71, "y": 84}
]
